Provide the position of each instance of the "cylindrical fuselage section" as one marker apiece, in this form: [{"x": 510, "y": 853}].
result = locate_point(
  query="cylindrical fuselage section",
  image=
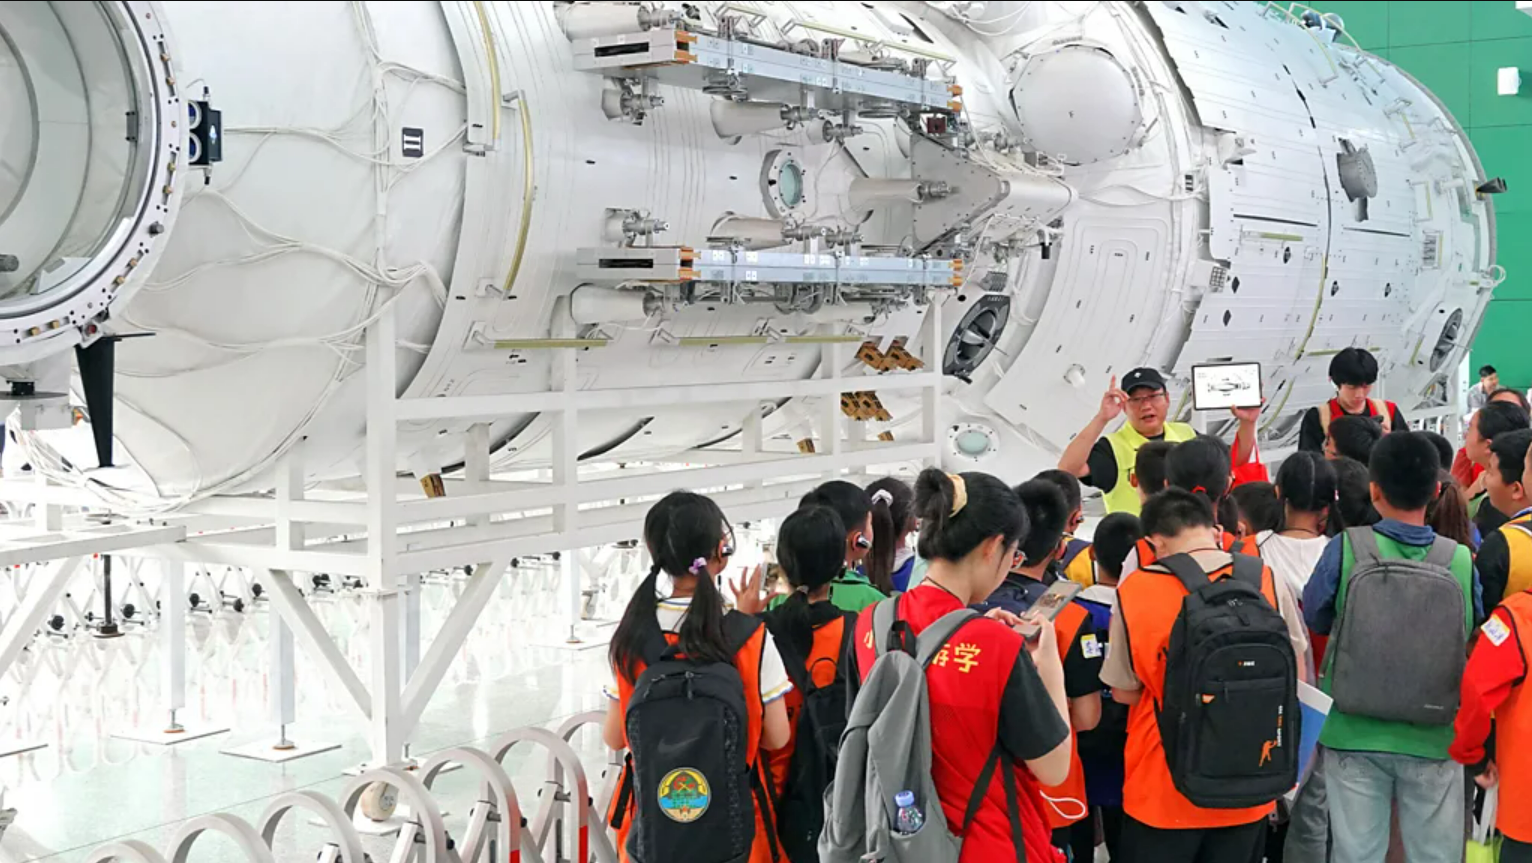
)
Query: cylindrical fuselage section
[{"x": 1115, "y": 201}]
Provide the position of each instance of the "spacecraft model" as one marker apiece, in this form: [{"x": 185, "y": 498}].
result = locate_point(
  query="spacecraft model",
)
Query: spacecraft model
[{"x": 207, "y": 203}]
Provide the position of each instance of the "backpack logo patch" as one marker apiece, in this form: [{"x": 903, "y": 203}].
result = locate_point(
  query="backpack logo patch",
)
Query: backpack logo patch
[{"x": 684, "y": 795}]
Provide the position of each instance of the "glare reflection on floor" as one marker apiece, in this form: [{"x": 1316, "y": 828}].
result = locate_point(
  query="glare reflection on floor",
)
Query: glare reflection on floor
[{"x": 87, "y": 788}]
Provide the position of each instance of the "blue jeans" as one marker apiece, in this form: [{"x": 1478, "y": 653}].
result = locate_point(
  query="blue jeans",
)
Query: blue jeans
[
  {"x": 1308, "y": 833},
  {"x": 1362, "y": 787}
]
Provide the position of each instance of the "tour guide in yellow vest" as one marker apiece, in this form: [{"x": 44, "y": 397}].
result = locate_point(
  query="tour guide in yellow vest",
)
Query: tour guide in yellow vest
[{"x": 1106, "y": 462}]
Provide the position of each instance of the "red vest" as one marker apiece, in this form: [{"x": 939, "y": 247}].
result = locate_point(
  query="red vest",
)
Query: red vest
[{"x": 965, "y": 684}]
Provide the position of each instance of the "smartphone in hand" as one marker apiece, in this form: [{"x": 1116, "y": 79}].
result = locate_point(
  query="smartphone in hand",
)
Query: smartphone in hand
[{"x": 1048, "y": 606}]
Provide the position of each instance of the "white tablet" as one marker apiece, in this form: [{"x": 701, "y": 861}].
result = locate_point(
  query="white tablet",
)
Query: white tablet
[{"x": 1224, "y": 386}]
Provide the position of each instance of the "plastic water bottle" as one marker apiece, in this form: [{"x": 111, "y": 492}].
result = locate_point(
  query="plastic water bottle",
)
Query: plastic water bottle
[{"x": 909, "y": 819}]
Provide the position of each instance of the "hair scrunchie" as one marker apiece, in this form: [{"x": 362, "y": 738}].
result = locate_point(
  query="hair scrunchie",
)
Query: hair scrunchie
[
  {"x": 698, "y": 565},
  {"x": 959, "y": 493},
  {"x": 882, "y": 495}
]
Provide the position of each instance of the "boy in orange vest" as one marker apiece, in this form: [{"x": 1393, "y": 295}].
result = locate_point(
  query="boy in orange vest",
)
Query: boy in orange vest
[
  {"x": 1494, "y": 686},
  {"x": 1161, "y": 823}
]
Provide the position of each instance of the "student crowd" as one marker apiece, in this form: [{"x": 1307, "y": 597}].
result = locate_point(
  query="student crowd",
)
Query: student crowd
[{"x": 869, "y": 700}]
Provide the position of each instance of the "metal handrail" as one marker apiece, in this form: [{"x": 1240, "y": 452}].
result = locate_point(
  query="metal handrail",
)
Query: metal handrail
[{"x": 567, "y": 815}]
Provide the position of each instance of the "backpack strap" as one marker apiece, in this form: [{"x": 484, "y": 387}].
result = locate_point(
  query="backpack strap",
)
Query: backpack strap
[
  {"x": 1186, "y": 570},
  {"x": 654, "y": 645},
  {"x": 1443, "y": 550},
  {"x": 847, "y": 646},
  {"x": 999, "y": 761},
  {"x": 1384, "y": 412},
  {"x": 884, "y": 615},
  {"x": 1364, "y": 546},
  {"x": 739, "y": 628},
  {"x": 935, "y": 637},
  {"x": 1249, "y": 570},
  {"x": 1325, "y": 417}
]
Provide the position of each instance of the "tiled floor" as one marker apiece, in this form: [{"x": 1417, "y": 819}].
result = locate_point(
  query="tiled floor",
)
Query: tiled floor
[{"x": 87, "y": 788}]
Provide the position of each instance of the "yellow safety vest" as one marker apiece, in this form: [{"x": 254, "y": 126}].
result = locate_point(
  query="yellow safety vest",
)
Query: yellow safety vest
[
  {"x": 1125, "y": 443},
  {"x": 1518, "y": 541}
]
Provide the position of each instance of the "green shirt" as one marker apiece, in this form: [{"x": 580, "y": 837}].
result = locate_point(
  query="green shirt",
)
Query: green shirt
[
  {"x": 1363, "y": 733},
  {"x": 851, "y": 592}
]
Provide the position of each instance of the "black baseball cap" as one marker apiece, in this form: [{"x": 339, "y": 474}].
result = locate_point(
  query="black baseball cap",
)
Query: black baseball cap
[{"x": 1141, "y": 378}]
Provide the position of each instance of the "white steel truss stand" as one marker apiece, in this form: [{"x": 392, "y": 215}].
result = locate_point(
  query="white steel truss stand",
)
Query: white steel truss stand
[
  {"x": 173, "y": 671},
  {"x": 284, "y": 695},
  {"x": 383, "y": 532},
  {"x": 63, "y": 547}
]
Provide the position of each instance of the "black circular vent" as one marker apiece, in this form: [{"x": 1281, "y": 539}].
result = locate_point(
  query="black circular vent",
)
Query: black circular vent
[{"x": 976, "y": 335}]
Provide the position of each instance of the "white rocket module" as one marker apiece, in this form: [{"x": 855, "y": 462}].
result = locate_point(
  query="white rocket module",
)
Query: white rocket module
[{"x": 708, "y": 192}]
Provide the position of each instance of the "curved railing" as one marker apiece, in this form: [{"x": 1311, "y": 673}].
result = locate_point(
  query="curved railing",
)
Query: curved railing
[{"x": 568, "y": 819}]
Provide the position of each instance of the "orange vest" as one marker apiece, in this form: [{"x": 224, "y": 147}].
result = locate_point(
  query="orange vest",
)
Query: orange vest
[
  {"x": 823, "y": 662},
  {"x": 748, "y": 662},
  {"x": 1248, "y": 545},
  {"x": 1066, "y": 802},
  {"x": 1149, "y": 603},
  {"x": 1513, "y": 734}
]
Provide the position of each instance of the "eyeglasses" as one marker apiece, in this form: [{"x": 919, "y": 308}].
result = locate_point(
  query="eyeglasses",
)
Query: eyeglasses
[{"x": 1149, "y": 399}]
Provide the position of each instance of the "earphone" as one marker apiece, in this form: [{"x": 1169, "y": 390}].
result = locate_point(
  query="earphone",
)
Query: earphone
[
  {"x": 862, "y": 541},
  {"x": 726, "y": 550}
]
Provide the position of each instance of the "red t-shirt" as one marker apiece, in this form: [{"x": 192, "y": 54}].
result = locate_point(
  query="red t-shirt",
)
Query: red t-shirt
[
  {"x": 1464, "y": 471},
  {"x": 983, "y": 690}
]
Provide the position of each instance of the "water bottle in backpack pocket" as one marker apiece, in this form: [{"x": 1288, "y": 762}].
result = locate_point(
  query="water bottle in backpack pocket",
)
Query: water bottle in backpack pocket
[
  {"x": 886, "y": 754},
  {"x": 1229, "y": 720},
  {"x": 1400, "y": 620}
]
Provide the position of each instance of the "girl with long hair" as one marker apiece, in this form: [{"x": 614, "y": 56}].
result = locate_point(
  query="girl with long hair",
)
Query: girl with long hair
[
  {"x": 995, "y": 697},
  {"x": 679, "y": 609}
]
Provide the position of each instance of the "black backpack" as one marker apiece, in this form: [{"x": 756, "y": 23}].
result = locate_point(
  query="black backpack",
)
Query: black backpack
[
  {"x": 1230, "y": 721},
  {"x": 821, "y": 721},
  {"x": 689, "y": 769}
]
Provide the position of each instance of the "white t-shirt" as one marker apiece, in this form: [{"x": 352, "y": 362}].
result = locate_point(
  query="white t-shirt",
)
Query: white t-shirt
[
  {"x": 774, "y": 680},
  {"x": 1291, "y": 558}
]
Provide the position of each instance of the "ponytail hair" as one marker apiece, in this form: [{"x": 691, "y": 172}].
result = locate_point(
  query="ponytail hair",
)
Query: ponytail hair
[
  {"x": 683, "y": 532},
  {"x": 811, "y": 548},
  {"x": 893, "y": 510},
  {"x": 1307, "y": 482},
  {"x": 958, "y": 512}
]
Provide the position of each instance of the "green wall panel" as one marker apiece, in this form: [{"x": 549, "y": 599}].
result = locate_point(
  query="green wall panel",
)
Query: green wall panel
[
  {"x": 1490, "y": 108},
  {"x": 1494, "y": 19},
  {"x": 1442, "y": 22},
  {"x": 1504, "y": 151},
  {"x": 1514, "y": 252},
  {"x": 1502, "y": 339},
  {"x": 1444, "y": 70}
]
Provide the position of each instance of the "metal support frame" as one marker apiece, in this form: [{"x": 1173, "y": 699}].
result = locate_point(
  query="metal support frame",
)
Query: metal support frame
[
  {"x": 382, "y": 531},
  {"x": 284, "y": 695},
  {"x": 173, "y": 673}
]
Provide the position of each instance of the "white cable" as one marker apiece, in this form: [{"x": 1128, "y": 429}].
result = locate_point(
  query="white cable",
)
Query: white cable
[{"x": 377, "y": 275}]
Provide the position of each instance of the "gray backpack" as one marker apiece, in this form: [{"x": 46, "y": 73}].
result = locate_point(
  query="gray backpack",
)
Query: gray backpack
[
  {"x": 1405, "y": 620},
  {"x": 887, "y": 749}
]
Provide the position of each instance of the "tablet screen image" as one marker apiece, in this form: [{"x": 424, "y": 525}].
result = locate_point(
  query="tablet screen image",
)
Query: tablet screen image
[{"x": 1230, "y": 385}]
